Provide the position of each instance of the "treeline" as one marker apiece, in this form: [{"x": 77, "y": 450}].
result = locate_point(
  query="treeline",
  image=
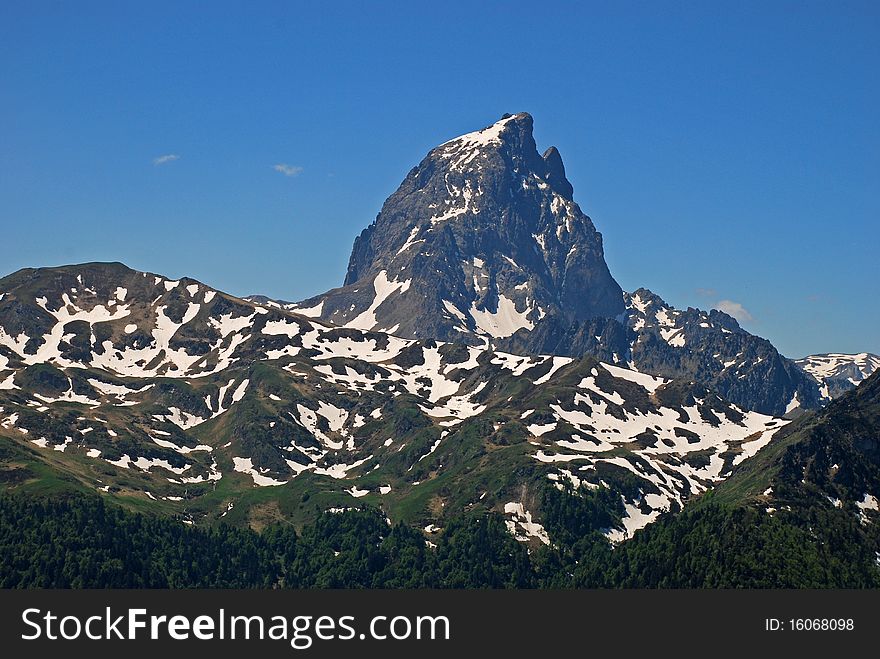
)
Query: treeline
[
  {"x": 76, "y": 541},
  {"x": 705, "y": 546},
  {"x": 85, "y": 542}
]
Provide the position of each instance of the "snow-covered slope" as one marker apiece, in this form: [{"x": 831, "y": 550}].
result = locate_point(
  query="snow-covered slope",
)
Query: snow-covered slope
[
  {"x": 838, "y": 373},
  {"x": 167, "y": 389},
  {"x": 711, "y": 347}
]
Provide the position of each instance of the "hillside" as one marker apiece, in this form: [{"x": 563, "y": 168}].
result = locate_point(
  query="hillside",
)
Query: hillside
[{"x": 172, "y": 396}]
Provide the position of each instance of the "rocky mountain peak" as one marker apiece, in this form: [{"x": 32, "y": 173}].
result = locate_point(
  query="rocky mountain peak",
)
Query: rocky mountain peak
[
  {"x": 482, "y": 239},
  {"x": 512, "y": 135}
]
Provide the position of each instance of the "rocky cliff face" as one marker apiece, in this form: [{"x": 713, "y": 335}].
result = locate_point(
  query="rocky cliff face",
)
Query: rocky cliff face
[{"x": 482, "y": 239}]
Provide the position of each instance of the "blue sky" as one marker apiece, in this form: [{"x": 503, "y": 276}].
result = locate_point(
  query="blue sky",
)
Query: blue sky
[{"x": 726, "y": 151}]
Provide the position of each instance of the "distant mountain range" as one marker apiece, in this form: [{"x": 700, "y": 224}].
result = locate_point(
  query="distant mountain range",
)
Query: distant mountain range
[
  {"x": 838, "y": 373},
  {"x": 478, "y": 350}
]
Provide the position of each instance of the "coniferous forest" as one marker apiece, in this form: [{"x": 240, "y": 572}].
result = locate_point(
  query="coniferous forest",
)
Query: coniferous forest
[{"x": 77, "y": 541}]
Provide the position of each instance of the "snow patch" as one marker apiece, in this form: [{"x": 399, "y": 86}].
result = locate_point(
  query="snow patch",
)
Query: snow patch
[
  {"x": 503, "y": 322},
  {"x": 246, "y": 466},
  {"x": 522, "y": 522},
  {"x": 384, "y": 288}
]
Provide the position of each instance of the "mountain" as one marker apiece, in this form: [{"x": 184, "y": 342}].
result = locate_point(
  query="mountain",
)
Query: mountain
[
  {"x": 707, "y": 347},
  {"x": 172, "y": 396},
  {"x": 479, "y": 375},
  {"x": 483, "y": 243},
  {"x": 824, "y": 465},
  {"x": 481, "y": 239},
  {"x": 838, "y": 373},
  {"x": 803, "y": 512}
]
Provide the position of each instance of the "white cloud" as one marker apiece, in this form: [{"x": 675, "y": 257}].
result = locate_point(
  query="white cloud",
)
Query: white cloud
[
  {"x": 734, "y": 309},
  {"x": 168, "y": 157},
  {"x": 287, "y": 170}
]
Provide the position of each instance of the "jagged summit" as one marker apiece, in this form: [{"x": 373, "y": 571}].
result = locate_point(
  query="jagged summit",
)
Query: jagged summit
[
  {"x": 482, "y": 239},
  {"x": 556, "y": 172},
  {"x": 705, "y": 346},
  {"x": 510, "y": 128}
]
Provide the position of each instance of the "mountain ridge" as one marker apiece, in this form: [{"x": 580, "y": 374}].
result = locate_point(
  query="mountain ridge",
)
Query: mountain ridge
[
  {"x": 173, "y": 394},
  {"x": 838, "y": 373}
]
